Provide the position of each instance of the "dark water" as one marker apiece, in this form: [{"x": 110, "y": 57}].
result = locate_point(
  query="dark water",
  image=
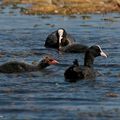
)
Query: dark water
[{"x": 45, "y": 95}]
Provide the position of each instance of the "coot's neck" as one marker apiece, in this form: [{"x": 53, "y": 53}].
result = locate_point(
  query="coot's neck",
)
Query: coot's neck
[
  {"x": 89, "y": 59},
  {"x": 42, "y": 65}
]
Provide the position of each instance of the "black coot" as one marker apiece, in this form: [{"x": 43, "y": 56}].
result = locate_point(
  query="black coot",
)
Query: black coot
[
  {"x": 77, "y": 72},
  {"x": 16, "y": 67},
  {"x": 59, "y": 38}
]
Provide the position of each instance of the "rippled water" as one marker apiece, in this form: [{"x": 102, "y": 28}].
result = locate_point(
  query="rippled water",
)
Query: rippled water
[{"x": 45, "y": 95}]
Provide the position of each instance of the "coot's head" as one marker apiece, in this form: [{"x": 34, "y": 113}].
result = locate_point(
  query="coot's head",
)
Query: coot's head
[
  {"x": 97, "y": 51},
  {"x": 46, "y": 61},
  {"x": 91, "y": 53},
  {"x": 62, "y": 41},
  {"x": 75, "y": 62}
]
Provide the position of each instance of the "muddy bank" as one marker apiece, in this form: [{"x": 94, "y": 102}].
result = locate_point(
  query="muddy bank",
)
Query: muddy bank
[{"x": 65, "y": 6}]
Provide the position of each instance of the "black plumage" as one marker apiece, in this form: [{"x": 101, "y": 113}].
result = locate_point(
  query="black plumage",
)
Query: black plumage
[
  {"x": 59, "y": 38},
  {"x": 77, "y": 72},
  {"x": 75, "y": 48},
  {"x": 16, "y": 67}
]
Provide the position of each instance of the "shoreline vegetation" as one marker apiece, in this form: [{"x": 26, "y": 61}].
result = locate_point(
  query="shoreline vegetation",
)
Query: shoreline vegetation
[{"x": 64, "y": 7}]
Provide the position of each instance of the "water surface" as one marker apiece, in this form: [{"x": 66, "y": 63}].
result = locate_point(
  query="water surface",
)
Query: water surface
[{"x": 45, "y": 95}]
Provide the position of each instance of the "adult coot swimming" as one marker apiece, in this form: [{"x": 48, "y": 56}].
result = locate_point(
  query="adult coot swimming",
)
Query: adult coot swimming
[
  {"x": 76, "y": 72},
  {"x": 16, "y": 67},
  {"x": 59, "y": 38}
]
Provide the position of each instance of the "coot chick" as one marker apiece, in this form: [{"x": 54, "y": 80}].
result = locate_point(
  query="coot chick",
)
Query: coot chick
[
  {"x": 77, "y": 72},
  {"x": 59, "y": 38},
  {"x": 17, "y": 67}
]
